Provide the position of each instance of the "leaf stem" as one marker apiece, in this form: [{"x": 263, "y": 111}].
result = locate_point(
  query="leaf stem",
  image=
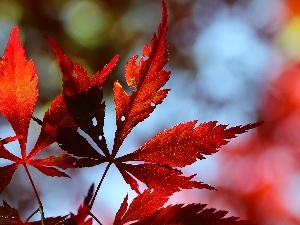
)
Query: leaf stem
[
  {"x": 100, "y": 183},
  {"x": 31, "y": 215},
  {"x": 95, "y": 218},
  {"x": 36, "y": 194}
]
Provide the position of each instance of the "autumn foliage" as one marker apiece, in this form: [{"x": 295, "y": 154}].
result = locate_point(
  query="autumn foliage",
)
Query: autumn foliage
[{"x": 157, "y": 163}]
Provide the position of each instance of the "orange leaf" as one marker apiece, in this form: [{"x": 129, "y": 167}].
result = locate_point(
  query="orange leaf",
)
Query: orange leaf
[{"x": 18, "y": 92}]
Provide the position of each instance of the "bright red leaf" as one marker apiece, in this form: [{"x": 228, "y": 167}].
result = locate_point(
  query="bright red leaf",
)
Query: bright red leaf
[
  {"x": 183, "y": 144},
  {"x": 147, "y": 78},
  {"x": 80, "y": 103},
  {"x": 81, "y": 106},
  {"x": 177, "y": 147},
  {"x": 18, "y": 92}
]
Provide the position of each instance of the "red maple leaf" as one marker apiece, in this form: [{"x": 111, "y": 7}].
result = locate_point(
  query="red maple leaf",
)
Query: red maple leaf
[
  {"x": 144, "y": 205},
  {"x": 146, "y": 79},
  {"x": 81, "y": 218},
  {"x": 10, "y": 216},
  {"x": 18, "y": 95},
  {"x": 180, "y": 146},
  {"x": 156, "y": 163},
  {"x": 147, "y": 209},
  {"x": 80, "y": 102}
]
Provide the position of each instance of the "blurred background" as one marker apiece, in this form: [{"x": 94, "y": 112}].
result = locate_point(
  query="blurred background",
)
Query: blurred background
[{"x": 235, "y": 61}]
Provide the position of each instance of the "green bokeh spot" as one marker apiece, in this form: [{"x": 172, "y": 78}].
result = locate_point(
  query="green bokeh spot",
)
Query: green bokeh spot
[{"x": 85, "y": 22}]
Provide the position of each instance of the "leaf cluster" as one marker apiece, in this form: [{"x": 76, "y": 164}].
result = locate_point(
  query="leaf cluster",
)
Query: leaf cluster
[{"x": 157, "y": 163}]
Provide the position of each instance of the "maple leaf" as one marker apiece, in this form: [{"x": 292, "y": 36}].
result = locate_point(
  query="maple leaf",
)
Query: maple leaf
[
  {"x": 83, "y": 211},
  {"x": 82, "y": 97},
  {"x": 184, "y": 143},
  {"x": 156, "y": 163},
  {"x": 18, "y": 92},
  {"x": 147, "y": 209},
  {"x": 177, "y": 147},
  {"x": 79, "y": 104},
  {"x": 143, "y": 205},
  {"x": 146, "y": 79},
  {"x": 10, "y": 216},
  {"x": 190, "y": 214},
  {"x": 160, "y": 158},
  {"x": 18, "y": 95}
]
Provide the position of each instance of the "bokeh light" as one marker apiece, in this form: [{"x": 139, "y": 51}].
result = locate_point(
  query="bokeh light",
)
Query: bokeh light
[{"x": 85, "y": 22}]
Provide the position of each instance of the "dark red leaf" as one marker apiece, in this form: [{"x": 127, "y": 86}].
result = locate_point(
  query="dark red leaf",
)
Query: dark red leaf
[
  {"x": 9, "y": 215},
  {"x": 159, "y": 177},
  {"x": 49, "y": 171},
  {"x": 5, "y": 154},
  {"x": 75, "y": 78},
  {"x": 88, "y": 112},
  {"x": 48, "y": 221},
  {"x": 65, "y": 161},
  {"x": 81, "y": 218},
  {"x": 142, "y": 206},
  {"x": 73, "y": 143},
  {"x": 6, "y": 173},
  {"x": 83, "y": 96},
  {"x": 88, "y": 197},
  {"x": 190, "y": 214},
  {"x": 57, "y": 116}
]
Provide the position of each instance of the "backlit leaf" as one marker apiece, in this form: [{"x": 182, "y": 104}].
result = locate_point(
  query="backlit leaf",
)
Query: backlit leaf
[
  {"x": 144, "y": 205},
  {"x": 18, "y": 92},
  {"x": 190, "y": 214},
  {"x": 159, "y": 177},
  {"x": 147, "y": 78},
  {"x": 183, "y": 144}
]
